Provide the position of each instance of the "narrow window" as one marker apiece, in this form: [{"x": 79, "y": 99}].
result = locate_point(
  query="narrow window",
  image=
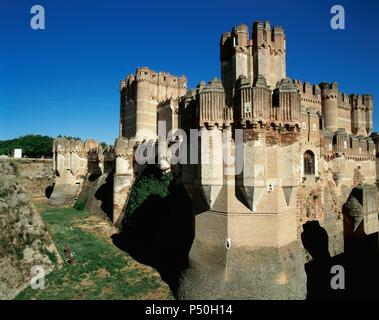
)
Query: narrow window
[{"x": 309, "y": 163}]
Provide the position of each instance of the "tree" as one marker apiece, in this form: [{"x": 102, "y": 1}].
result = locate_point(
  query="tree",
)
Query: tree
[
  {"x": 33, "y": 146},
  {"x": 103, "y": 145},
  {"x": 69, "y": 137}
]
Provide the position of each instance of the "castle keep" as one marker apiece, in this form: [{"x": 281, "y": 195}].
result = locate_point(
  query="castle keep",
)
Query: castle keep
[{"x": 308, "y": 152}]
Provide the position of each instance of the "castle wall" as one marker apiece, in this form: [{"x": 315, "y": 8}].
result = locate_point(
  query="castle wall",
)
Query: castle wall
[
  {"x": 73, "y": 161},
  {"x": 310, "y": 95},
  {"x": 310, "y": 126},
  {"x": 255, "y": 224},
  {"x": 36, "y": 175},
  {"x": 165, "y": 113},
  {"x": 344, "y": 113},
  {"x": 338, "y": 110}
]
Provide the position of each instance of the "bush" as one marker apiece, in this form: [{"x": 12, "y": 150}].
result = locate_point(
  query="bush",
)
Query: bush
[
  {"x": 51, "y": 256},
  {"x": 69, "y": 137},
  {"x": 81, "y": 201},
  {"x": 80, "y": 205},
  {"x": 151, "y": 182}
]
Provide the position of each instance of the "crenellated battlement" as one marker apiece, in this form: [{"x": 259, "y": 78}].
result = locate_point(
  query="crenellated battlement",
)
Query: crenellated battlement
[
  {"x": 349, "y": 145},
  {"x": 338, "y": 110},
  {"x": 259, "y": 52},
  {"x": 211, "y": 104},
  {"x": 145, "y": 74},
  {"x": 159, "y": 81},
  {"x": 266, "y": 37},
  {"x": 286, "y": 98},
  {"x": 329, "y": 90},
  {"x": 258, "y": 103},
  {"x": 63, "y": 145},
  {"x": 141, "y": 94},
  {"x": 307, "y": 89},
  {"x": 344, "y": 102},
  {"x": 253, "y": 104}
]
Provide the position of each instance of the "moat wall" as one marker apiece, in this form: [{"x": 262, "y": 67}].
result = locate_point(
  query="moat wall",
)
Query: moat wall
[
  {"x": 24, "y": 240},
  {"x": 37, "y": 176}
]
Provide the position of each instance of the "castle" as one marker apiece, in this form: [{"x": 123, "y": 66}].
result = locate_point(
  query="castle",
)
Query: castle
[{"x": 308, "y": 153}]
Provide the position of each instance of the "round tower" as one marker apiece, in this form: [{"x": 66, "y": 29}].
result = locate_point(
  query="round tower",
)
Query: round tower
[
  {"x": 329, "y": 104},
  {"x": 368, "y": 103},
  {"x": 146, "y": 117}
]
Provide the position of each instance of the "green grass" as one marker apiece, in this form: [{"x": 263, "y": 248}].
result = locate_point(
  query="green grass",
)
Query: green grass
[
  {"x": 53, "y": 258},
  {"x": 102, "y": 271}
]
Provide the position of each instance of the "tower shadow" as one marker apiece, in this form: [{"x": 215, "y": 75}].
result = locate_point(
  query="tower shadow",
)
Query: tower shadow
[
  {"x": 360, "y": 263},
  {"x": 316, "y": 241},
  {"x": 160, "y": 233},
  {"x": 105, "y": 195},
  {"x": 361, "y": 259},
  {"x": 49, "y": 190}
]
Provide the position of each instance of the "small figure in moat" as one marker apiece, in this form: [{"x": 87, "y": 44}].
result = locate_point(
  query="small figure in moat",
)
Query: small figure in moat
[{"x": 69, "y": 254}]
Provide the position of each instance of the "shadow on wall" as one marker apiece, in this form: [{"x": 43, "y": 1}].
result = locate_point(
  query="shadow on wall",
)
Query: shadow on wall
[
  {"x": 360, "y": 262},
  {"x": 105, "y": 195},
  {"x": 316, "y": 241},
  {"x": 160, "y": 234},
  {"x": 49, "y": 190},
  {"x": 93, "y": 177}
]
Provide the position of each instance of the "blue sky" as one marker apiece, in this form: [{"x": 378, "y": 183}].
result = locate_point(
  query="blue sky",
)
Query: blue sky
[{"x": 65, "y": 79}]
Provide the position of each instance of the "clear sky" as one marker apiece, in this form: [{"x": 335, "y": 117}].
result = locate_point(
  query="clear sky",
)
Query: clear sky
[{"x": 65, "y": 79}]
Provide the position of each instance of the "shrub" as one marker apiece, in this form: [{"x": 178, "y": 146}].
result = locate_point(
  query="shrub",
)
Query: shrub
[
  {"x": 81, "y": 202},
  {"x": 151, "y": 182},
  {"x": 51, "y": 256},
  {"x": 80, "y": 205}
]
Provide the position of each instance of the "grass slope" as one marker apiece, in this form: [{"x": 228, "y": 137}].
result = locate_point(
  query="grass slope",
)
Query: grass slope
[{"x": 102, "y": 271}]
